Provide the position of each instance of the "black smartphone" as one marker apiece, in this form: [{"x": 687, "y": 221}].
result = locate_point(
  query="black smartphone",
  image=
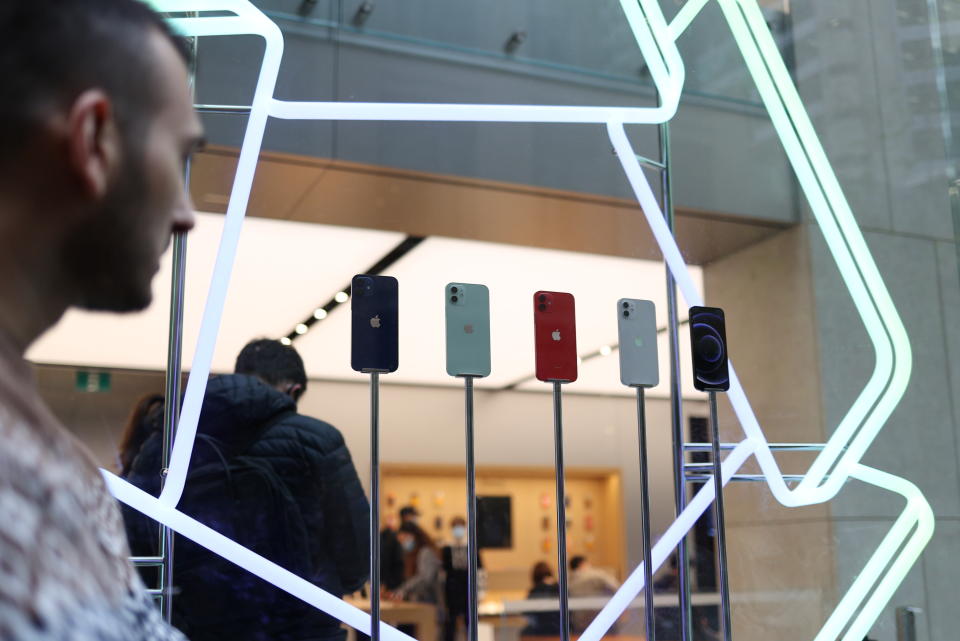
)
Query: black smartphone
[
  {"x": 708, "y": 343},
  {"x": 374, "y": 325}
]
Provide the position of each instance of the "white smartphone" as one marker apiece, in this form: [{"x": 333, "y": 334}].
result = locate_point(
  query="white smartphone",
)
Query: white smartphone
[{"x": 637, "y": 329}]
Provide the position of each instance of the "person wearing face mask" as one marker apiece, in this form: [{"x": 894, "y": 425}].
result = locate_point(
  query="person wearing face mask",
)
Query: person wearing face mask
[
  {"x": 455, "y": 559},
  {"x": 276, "y": 481},
  {"x": 422, "y": 566}
]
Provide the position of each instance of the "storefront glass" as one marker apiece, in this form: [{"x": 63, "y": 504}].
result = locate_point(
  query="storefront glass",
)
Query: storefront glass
[{"x": 822, "y": 221}]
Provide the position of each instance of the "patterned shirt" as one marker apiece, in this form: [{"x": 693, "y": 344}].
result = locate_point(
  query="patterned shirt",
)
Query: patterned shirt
[{"x": 64, "y": 572}]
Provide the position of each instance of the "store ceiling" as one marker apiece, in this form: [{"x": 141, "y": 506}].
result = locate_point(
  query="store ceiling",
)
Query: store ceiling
[{"x": 285, "y": 269}]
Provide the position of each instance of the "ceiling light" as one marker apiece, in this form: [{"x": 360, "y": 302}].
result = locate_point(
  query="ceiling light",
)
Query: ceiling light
[
  {"x": 286, "y": 341},
  {"x": 301, "y": 329},
  {"x": 605, "y": 350},
  {"x": 320, "y": 313},
  {"x": 341, "y": 297}
]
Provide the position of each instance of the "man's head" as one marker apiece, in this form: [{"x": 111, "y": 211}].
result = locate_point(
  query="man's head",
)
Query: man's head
[
  {"x": 408, "y": 514},
  {"x": 94, "y": 132},
  {"x": 276, "y": 364},
  {"x": 578, "y": 562}
]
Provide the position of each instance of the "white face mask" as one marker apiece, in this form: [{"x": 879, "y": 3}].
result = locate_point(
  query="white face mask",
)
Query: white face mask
[{"x": 459, "y": 531}]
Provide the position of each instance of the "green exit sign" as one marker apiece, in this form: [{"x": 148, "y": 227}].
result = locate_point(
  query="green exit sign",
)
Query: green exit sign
[{"x": 93, "y": 381}]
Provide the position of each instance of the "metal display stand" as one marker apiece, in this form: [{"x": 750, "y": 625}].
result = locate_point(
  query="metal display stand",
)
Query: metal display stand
[
  {"x": 473, "y": 594},
  {"x": 645, "y": 519},
  {"x": 719, "y": 519},
  {"x": 676, "y": 398},
  {"x": 374, "y": 505},
  {"x": 561, "y": 514}
]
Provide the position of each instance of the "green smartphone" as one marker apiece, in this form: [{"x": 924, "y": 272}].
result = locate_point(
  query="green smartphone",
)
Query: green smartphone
[{"x": 468, "y": 329}]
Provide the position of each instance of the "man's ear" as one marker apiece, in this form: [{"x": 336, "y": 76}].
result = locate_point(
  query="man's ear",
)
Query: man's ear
[
  {"x": 295, "y": 391},
  {"x": 94, "y": 141}
]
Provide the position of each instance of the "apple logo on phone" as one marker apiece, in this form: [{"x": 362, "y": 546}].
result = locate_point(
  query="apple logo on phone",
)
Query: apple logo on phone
[
  {"x": 375, "y": 321},
  {"x": 556, "y": 335},
  {"x": 638, "y": 341},
  {"x": 468, "y": 328}
]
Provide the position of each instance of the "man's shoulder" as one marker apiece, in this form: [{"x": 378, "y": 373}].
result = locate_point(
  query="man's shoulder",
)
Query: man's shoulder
[{"x": 306, "y": 430}]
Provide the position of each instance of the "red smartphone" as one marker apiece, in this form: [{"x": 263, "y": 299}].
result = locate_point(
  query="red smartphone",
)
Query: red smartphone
[{"x": 555, "y": 336}]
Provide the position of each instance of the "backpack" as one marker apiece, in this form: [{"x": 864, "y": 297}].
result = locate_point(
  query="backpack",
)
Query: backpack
[{"x": 241, "y": 497}]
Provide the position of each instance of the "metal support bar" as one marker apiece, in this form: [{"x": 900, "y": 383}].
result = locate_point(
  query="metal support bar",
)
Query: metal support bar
[
  {"x": 146, "y": 561},
  {"x": 907, "y": 623},
  {"x": 648, "y": 613},
  {"x": 472, "y": 550},
  {"x": 375, "y": 506},
  {"x": 652, "y": 164},
  {"x": 223, "y": 109},
  {"x": 561, "y": 514},
  {"x": 676, "y": 396},
  {"x": 172, "y": 400},
  {"x": 776, "y": 447},
  {"x": 720, "y": 522},
  {"x": 753, "y": 478}
]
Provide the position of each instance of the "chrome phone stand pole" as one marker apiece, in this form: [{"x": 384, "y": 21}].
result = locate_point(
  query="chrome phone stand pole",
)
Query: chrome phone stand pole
[
  {"x": 473, "y": 551},
  {"x": 375, "y": 506},
  {"x": 561, "y": 514},
  {"x": 719, "y": 519},
  {"x": 645, "y": 519}
]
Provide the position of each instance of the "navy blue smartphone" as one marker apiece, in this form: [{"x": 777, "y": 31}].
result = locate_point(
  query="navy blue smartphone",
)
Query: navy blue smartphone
[
  {"x": 374, "y": 335},
  {"x": 708, "y": 343}
]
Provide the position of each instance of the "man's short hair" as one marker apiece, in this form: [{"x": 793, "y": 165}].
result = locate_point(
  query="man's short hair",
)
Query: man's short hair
[
  {"x": 576, "y": 562},
  {"x": 53, "y": 50},
  {"x": 272, "y": 362}
]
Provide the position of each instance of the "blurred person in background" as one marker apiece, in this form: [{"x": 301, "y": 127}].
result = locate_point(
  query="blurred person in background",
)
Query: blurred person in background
[
  {"x": 96, "y": 125},
  {"x": 392, "y": 566},
  {"x": 145, "y": 419},
  {"x": 422, "y": 561},
  {"x": 456, "y": 565},
  {"x": 588, "y": 581},
  {"x": 543, "y": 622},
  {"x": 276, "y": 481}
]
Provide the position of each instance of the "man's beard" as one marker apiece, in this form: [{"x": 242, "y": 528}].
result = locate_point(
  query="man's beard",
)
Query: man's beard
[{"x": 109, "y": 260}]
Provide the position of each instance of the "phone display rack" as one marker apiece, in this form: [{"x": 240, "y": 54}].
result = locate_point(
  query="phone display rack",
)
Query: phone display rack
[{"x": 683, "y": 472}]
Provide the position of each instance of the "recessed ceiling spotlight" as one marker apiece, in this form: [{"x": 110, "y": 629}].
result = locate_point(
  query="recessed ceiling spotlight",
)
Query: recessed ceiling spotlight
[
  {"x": 605, "y": 350},
  {"x": 286, "y": 341},
  {"x": 320, "y": 313},
  {"x": 341, "y": 297},
  {"x": 300, "y": 329}
]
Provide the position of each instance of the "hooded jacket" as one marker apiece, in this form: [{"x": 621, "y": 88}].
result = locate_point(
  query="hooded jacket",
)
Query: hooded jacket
[{"x": 217, "y": 600}]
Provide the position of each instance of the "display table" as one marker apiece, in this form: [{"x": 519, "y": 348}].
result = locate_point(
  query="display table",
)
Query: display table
[{"x": 423, "y": 616}]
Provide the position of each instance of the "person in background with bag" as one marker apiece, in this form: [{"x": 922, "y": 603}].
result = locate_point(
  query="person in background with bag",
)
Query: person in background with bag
[{"x": 275, "y": 481}]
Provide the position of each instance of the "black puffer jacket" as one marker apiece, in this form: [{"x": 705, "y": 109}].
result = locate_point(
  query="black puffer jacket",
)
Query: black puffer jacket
[{"x": 217, "y": 600}]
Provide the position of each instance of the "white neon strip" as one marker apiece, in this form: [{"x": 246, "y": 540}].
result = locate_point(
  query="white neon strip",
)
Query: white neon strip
[
  {"x": 427, "y": 112},
  {"x": 634, "y": 584},
  {"x": 233, "y": 222},
  {"x": 690, "y": 10},
  {"x": 246, "y": 559},
  {"x": 883, "y": 324},
  {"x": 918, "y": 514}
]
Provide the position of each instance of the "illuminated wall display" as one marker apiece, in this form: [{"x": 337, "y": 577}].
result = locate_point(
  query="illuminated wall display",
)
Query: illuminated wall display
[{"x": 839, "y": 460}]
